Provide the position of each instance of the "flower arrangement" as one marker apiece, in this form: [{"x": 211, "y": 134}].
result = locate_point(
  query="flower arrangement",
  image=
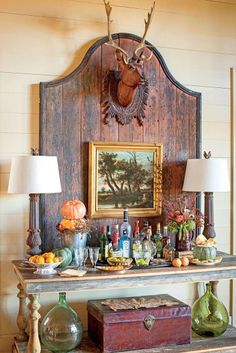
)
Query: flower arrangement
[{"x": 183, "y": 219}]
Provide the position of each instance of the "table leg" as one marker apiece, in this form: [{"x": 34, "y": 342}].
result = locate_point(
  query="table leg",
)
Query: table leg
[
  {"x": 22, "y": 315},
  {"x": 34, "y": 345}
]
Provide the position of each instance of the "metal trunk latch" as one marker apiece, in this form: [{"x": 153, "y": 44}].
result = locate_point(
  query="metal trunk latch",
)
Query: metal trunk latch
[{"x": 149, "y": 322}]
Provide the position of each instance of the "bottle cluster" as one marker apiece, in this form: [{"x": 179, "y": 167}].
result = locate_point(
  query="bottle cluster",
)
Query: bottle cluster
[{"x": 141, "y": 243}]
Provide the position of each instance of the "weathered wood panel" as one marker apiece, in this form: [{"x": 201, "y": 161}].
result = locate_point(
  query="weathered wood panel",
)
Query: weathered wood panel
[{"x": 71, "y": 116}]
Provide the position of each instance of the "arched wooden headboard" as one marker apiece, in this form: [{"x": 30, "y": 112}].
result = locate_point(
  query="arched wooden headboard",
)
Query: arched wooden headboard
[{"x": 71, "y": 116}]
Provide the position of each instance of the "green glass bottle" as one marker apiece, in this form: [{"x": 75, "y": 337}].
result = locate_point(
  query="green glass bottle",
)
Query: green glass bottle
[
  {"x": 61, "y": 329},
  {"x": 209, "y": 316}
]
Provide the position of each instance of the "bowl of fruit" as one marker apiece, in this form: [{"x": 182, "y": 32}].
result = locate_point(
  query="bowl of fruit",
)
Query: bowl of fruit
[
  {"x": 119, "y": 261},
  {"x": 46, "y": 263}
]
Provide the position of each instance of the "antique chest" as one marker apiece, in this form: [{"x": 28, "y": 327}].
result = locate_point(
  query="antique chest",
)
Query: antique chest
[{"x": 140, "y": 327}]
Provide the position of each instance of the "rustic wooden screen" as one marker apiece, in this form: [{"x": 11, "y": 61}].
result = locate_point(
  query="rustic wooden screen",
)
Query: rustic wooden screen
[{"x": 71, "y": 115}]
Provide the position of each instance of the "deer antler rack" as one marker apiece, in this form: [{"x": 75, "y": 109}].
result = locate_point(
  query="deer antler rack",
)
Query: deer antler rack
[
  {"x": 111, "y": 41},
  {"x": 142, "y": 44}
]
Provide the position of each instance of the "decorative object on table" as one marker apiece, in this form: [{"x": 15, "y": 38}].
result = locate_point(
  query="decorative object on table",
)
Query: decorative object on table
[
  {"x": 149, "y": 320},
  {"x": 119, "y": 261},
  {"x": 168, "y": 251},
  {"x": 126, "y": 91},
  {"x": 93, "y": 255},
  {"x": 61, "y": 329},
  {"x": 124, "y": 175},
  {"x": 207, "y": 175},
  {"x": 74, "y": 227},
  {"x": 70, "y": 272},
  {"x": 116, "y": 269},
  {"x": 209, "y": 316},
  {"x": 205, "y": 249},
  {"x": 182, "y": 221},
  {"x": 66, "y": 254},
  {"x": 207, "y": 262},
  {"x": 45, "y": 263},
  {"x": 34, "y": 175}
]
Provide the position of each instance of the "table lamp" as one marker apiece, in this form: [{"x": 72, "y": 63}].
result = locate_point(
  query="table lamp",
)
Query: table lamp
[
  {"x": 207, "y": 175},
  {"x": 34, "y": 175}
]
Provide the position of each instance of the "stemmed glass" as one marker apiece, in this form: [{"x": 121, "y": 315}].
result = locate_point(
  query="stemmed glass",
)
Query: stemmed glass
[
  {"x": 93, "y": 255},
  {"x": 85, "y": 256},
  {"x": 79, "y": 256}
]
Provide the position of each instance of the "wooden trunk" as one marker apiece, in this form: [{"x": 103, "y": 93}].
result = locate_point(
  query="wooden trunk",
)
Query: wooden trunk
[{"x": 124, "y": 330}]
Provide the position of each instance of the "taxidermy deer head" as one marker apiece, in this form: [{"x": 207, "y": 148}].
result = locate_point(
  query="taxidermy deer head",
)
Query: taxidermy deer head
[{"x": 131, "y": 68}]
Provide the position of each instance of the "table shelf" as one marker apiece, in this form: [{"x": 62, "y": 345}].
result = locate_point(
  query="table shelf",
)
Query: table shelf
[{"x": 225, "y": 343}]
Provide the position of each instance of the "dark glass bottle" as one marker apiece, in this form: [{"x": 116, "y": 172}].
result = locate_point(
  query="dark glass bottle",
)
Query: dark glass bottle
[
  {"x": 209, "y": 316},
  {"x": 143, "y": 233},
  {"x": 61, "y": 329},
  {"x": 103, "y": 242}
]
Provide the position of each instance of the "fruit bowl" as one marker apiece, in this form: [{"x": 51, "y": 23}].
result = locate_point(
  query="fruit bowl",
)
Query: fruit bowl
[
  {"x": 119, "y": 261},
  {"x": 46, "y": 268}
]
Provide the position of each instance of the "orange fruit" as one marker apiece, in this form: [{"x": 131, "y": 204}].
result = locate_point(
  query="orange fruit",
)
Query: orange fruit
[
  {"x": 49, "y": 260},
  {"x": 176, "y": 262},
  {"x": 185, "y": 261},
  {"x": 40, "y": 260},
  {"x": 47, "y": 255},
  {"x": 56, "y": 259}
]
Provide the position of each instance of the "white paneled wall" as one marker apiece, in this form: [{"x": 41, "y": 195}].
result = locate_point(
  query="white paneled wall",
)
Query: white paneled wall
[{"x": 41, "y": 41}]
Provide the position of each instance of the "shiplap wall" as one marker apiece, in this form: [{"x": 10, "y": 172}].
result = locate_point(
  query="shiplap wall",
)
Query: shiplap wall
[{"x": 41, "y": 41}]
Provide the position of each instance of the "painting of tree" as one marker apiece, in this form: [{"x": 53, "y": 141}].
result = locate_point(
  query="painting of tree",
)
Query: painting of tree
[{"x": 125, "y": 179}]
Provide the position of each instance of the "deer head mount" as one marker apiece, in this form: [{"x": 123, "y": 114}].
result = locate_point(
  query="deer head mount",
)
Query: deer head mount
[{"x": 130, "y": 78}]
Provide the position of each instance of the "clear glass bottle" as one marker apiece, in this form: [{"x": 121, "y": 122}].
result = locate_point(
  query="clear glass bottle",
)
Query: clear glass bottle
[
  {"x": 125, "y": 225},
  {"x": 137, "y": 244},
  {"x": 125, "y": 244},
  {"x": 209, "y": 316},
  {"x": 148, "y": 245},
  {"x": 168, "y": 251},
  {"x": 61, "y": 329},
  {"x": 143, "y": 232},
  {"x": 158, "y": 241},
  {"x": 115, "y": 249}
]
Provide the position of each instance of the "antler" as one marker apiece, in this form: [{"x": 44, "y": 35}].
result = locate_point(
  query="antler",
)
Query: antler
[
  {"x": 111, "y": 41},
  {"x": 142, "y": 43}
]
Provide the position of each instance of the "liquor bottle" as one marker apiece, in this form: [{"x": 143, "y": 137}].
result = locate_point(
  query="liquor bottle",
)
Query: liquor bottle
[
  {"x": 115, "y": 249},
  {"x": 125, "y": 244},
  {"x": 125, "y": 225},
  {"x": 143, "y": 233},
  {"x": 168, "y": 251},
  {"x": 137, "y": 244},
  {"x": 165, "y": 236},
  {"x": 158, "y": 241},
  {"x": 148, "y": 245},
  {"x": 103, "y": 252},
  {"x": 109, "y": 237}
]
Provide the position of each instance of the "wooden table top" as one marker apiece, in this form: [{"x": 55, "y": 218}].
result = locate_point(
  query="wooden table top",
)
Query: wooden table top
[{"x": 34, "y": 283}]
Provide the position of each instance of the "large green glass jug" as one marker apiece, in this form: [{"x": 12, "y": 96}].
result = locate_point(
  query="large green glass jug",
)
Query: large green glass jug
[
  {"x": 209, "y": 316},
  {"x": 61, "y": 329}
]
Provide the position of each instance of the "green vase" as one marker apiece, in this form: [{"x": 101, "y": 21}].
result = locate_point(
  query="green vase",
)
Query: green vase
[
  {"x": 209, "y": 316},
  {"x": 61, "y": 329}
]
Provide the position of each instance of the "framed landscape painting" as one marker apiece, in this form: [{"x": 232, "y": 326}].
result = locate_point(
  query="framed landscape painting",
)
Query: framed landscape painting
[{"x": 124, "y": 175}]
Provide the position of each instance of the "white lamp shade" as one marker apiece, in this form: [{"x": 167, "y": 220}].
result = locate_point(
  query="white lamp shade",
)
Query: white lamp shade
[
  {"x": 206, "y": 175},
  {"x": 34, "y": 175}
]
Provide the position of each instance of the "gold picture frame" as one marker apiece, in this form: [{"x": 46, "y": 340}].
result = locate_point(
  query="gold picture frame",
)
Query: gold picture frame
[{"x": 124, "y": 175}]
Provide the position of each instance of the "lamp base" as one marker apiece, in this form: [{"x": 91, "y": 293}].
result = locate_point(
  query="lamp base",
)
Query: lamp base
[
  {"x": 209, "y": 231},
  {"x": 34, "y": 239}
]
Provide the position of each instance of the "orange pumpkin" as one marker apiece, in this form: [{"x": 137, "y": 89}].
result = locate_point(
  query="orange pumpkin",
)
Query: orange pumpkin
[
  {"x": 73, "y": 209},
  {"x": 185, "y": 261}
]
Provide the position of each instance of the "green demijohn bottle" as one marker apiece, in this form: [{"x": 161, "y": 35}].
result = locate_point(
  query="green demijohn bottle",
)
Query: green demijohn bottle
[
  {"x": 209, "y": 316},
  {"x": 61, "y": 329}
]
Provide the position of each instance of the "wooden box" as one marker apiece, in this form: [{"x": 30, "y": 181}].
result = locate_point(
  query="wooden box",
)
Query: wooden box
[{"x": 124, "y": 330}]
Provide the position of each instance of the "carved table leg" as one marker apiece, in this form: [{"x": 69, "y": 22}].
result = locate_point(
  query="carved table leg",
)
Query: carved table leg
[
  {"x": 34, "y": 316},
  {"x": 22, "y": 315},
  {"x": 214, "y": 287}
]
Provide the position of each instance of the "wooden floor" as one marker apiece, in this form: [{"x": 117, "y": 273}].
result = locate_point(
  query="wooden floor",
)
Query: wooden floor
[{"x": 224, "y": 343}]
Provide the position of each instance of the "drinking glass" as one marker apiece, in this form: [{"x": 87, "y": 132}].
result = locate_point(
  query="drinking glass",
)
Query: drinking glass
[
  {"x": 79, "y": 256},
  {"x": 93, "y": 255},
  {"x": 85, "y": 255}
]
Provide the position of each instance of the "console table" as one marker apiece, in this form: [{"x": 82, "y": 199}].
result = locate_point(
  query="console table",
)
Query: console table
[{"x": 31, "y": 285}]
